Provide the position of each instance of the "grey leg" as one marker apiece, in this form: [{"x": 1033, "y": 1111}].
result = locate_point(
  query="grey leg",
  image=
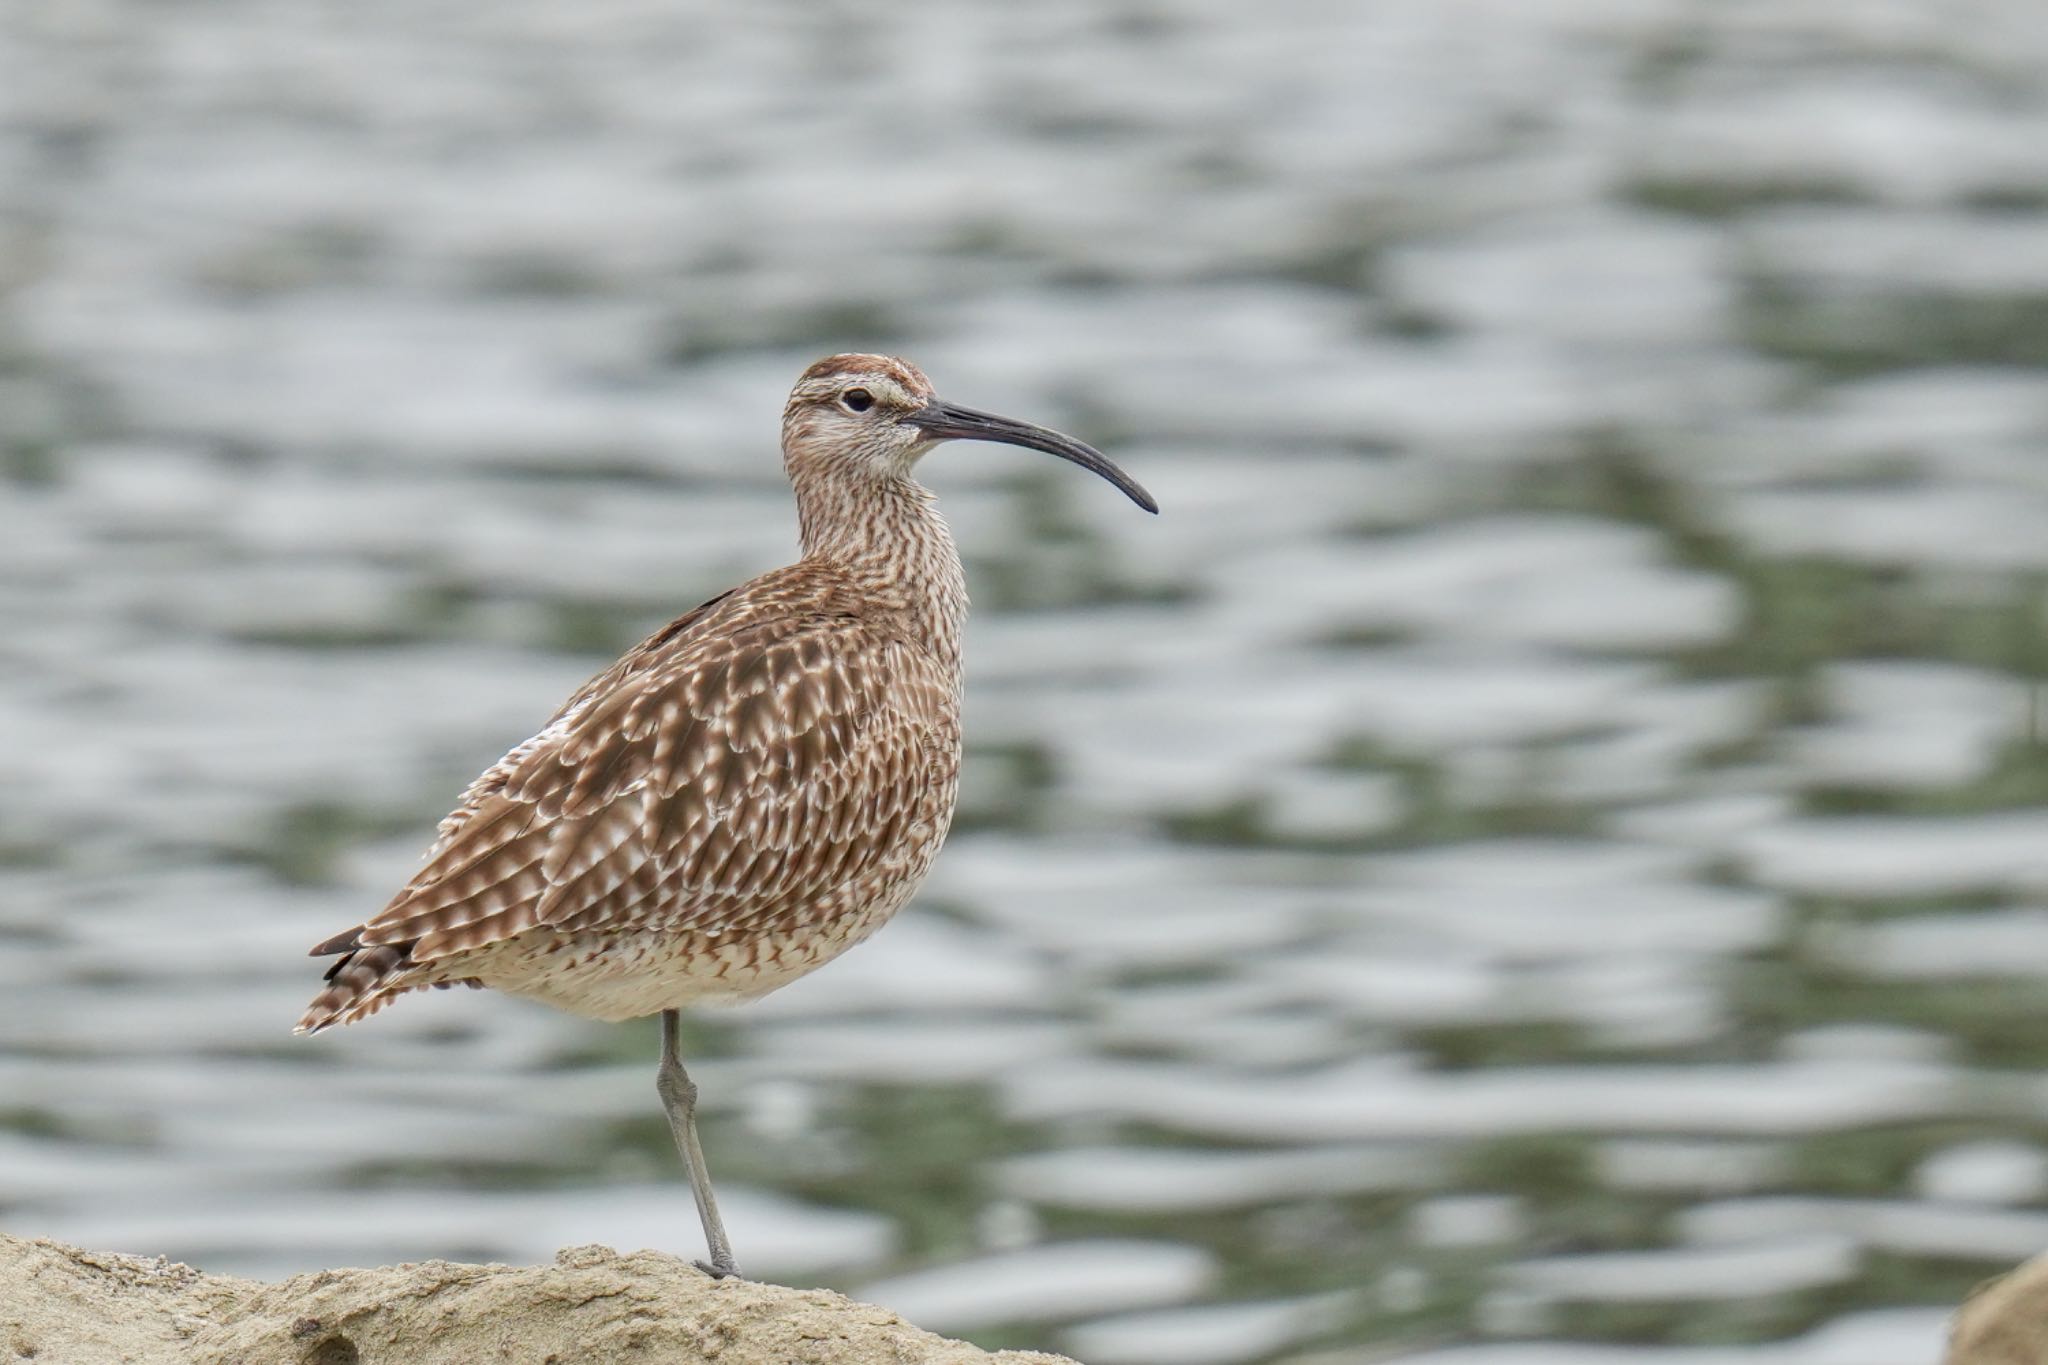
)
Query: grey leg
[{"x": 679, "y": 1098}]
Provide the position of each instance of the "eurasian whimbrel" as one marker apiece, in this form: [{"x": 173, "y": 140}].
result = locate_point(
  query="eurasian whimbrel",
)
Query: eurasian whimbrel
[{"x": 752, "y": 790}]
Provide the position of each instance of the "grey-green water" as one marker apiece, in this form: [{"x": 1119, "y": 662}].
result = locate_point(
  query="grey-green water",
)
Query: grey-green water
[{"x": 1538, "y": 854}]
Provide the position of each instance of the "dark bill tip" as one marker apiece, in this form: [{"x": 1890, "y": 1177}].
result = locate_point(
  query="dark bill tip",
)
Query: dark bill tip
[{"x": 947, "y": 422}]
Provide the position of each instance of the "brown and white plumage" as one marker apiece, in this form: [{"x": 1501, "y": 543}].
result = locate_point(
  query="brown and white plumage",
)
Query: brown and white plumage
[
  {"x": 753, "y": 789},
  {"x": 756, "y": 787}
]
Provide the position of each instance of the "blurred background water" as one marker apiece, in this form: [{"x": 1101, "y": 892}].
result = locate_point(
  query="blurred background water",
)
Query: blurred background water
[{"x": 1539, "y": 854}]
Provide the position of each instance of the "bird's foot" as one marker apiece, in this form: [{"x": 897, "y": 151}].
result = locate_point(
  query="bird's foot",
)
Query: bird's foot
[{"x": 722, "y": 1269}]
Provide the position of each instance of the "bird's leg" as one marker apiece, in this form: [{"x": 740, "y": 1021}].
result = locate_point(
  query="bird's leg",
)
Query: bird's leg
[{"x": 679, "y": 1098}]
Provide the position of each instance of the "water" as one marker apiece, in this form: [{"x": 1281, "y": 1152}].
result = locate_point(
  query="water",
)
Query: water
[{"x": 1537, "y": 855}]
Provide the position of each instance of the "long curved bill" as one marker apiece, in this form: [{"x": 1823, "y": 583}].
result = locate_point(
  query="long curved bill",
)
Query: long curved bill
[{"x": 948, "y": 422}]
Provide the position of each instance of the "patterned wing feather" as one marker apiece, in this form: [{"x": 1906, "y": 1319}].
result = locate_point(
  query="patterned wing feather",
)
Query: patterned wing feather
[
  {"x": 644, "y": 656},
  {"x": 725, "y": 786}
]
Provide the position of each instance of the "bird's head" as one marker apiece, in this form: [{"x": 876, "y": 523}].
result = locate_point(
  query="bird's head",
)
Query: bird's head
[{"x": 876, "y": 416}]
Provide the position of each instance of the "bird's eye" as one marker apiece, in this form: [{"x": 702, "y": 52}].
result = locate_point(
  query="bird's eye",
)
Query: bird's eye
[{"x": 856, "y": 400}]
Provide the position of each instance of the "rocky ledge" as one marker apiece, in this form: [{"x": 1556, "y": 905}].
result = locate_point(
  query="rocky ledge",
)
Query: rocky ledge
[
  {"x": 2005, "y": 1322},
  {"x": 591, "y": 1307}
]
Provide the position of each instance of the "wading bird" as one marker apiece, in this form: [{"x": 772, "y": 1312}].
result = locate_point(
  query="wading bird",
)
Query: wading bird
[{"x": 752, "y": 790}]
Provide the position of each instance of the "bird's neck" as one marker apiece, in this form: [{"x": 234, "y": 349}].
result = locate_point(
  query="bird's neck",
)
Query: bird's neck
[{"x": 888, "y": 539}]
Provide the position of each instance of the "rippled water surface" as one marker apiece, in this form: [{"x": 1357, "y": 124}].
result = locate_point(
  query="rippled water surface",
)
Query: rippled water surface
[{"x": 1539, "y": 854}]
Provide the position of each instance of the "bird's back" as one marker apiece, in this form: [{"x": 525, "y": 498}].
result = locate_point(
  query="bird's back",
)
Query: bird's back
[{"x": 755, "y": 787}]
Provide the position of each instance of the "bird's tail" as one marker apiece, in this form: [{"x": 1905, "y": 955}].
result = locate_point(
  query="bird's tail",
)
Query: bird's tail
[{"x": 360, "y": 983}]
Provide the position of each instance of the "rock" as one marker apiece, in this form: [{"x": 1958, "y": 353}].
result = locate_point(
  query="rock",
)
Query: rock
[
  {"x": 593, "y": 1306},
  {"x": 2005, "y": 1322}
]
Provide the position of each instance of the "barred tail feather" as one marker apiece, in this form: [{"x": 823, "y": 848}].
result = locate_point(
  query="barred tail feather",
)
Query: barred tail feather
[
  {"x": 365, "y": 980},
  {"x": 360, "y": 984}
]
